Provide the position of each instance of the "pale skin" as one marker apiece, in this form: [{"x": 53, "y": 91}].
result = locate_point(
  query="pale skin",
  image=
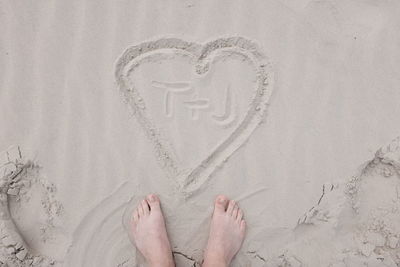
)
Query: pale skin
[{"x": 226, "y": 236}]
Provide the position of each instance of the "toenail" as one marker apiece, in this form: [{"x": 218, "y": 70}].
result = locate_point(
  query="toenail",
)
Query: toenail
[
  {"x": 152, "y": 198},
  {"x": 221, "y": 200}
]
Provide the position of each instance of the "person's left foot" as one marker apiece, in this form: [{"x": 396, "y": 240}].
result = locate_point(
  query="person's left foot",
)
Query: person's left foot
[{"x": 150, "y": 234}]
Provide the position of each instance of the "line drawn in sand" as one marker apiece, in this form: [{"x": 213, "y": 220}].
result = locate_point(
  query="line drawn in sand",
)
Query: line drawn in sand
[
  {"x": 229, "y": 114},
  {"x": 171, "y": 88},
  {"x": 100, "y": 239},
  {"x": 196, "y": 105},
  {"x": 203, "y": 56}
]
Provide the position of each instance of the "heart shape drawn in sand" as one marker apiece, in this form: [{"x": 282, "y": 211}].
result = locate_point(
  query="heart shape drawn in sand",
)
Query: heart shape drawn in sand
[{"x": 202, "y": 101}]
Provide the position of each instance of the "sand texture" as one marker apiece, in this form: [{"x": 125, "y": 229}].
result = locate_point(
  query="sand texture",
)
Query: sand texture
[{"x": 286, "y": 106}]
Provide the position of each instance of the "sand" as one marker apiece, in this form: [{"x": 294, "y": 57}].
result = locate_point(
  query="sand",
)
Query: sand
[{"x": 286, "y": 106}]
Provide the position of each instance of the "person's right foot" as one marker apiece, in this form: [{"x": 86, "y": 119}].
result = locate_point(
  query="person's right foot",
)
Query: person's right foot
[{"x": 226, "y": 233}]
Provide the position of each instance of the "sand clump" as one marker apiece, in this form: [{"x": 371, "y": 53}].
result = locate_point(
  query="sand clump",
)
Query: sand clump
[{"x": 19, "y": 177}]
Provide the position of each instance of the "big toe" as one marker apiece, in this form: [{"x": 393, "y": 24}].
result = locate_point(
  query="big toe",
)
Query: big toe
[
  {"x": 154, "y": 202},
  {"x": 221, "y": 203}
]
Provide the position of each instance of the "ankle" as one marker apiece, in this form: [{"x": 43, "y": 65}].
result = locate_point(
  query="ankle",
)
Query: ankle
[
  {"x": 162, "y": 262},
  {"x": 214, "y": 261}
]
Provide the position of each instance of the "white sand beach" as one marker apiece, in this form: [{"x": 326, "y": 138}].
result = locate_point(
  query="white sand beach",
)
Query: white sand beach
[{"x": 289, "y": 107}]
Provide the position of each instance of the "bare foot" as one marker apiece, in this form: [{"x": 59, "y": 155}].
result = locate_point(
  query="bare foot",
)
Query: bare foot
[
  {"x": 226, "y": 233},
  {"x": 149, "y": 233}
]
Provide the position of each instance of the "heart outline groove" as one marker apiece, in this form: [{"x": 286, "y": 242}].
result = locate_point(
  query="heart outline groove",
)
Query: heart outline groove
[{"x": 192, "y": 180}]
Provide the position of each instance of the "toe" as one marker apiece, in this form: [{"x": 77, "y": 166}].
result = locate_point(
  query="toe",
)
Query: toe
[
  {"x": 239, "y": 216},
  {"x": 154, "y": 202},
  {"x": 231, "y": 206},
  {"x": 145, "y": 207},
  {"x": 221, "y": 203},
  {"x": 135, "y": 215},
  {"x": 242, "y": 226},
  {"x": 235, "y": 212},
  {"x": 140, "y": 210}
]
